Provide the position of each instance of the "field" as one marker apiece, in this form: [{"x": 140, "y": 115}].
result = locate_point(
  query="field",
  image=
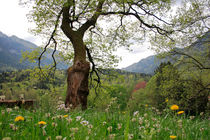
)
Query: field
[
  {"x": 123, "y": 110},
  {"x": 147, "y": 124}
]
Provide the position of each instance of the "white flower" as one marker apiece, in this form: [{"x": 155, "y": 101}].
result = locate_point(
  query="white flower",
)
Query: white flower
[
  {"x": 109, "y": 128},
  {"x": 84, "y": 122},
  {"x": 90, "y": 126},
  {"x": 78, "y": 118},
  {"x": 119, "y": 126},
  {"x": 136, "y": 113},
  {"x": 133, "y": 119},
  {"x": 130, "y": 136}
]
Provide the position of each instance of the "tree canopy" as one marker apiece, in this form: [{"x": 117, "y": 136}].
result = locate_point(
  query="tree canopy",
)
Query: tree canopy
[{"x": 105, "y": 25}]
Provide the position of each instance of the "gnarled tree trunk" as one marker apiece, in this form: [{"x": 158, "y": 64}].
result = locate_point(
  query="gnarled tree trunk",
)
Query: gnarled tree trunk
[
  {"x": 77, "y": 84},
  {"x": 77, "y": 89}
]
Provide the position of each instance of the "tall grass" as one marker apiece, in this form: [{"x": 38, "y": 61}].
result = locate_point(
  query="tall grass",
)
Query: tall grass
[{"x": 146, "y": 124}]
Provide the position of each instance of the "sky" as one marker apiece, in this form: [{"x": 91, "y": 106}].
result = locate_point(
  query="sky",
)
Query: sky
[{"x": 14, "y": 22}]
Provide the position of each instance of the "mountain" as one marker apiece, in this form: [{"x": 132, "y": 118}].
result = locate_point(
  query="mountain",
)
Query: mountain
[
  {"x": 10, "y": 54},
  {"x": 149, "y": 64}
]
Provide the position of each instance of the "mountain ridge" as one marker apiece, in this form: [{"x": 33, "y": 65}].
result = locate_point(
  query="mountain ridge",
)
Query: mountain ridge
[
  {"x": 11, "y": 48},
  {"x": 150, "y": 63}
]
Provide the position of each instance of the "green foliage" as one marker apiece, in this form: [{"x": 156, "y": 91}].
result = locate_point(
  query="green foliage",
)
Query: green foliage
[
  {"x": 97, "y": 125},
  {"x": 169, "y": 83}
]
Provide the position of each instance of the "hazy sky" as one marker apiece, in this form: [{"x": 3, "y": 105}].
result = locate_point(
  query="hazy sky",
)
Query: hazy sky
[{"x": 14, "y": 22}]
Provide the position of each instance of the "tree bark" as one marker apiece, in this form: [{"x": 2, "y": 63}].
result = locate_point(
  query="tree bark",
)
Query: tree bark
[
  {"x": 77, "y": 84},
  {"x": 77, "y": 80}
]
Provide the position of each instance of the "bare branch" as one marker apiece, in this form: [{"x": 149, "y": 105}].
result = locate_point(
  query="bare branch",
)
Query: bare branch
[
  {"x": 198, "y": 64},
  {"x": 92, "y": 21},
  {"x": 49, "y": 41}
]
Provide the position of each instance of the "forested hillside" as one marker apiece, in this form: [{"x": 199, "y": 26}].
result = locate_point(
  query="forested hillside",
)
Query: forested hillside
[
  {"x": 149, "y": 64},
  {"x": 11, "y": 51}
]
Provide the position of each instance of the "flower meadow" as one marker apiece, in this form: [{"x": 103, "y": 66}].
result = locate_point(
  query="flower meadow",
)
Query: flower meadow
[{"x": 64, "y": 124}]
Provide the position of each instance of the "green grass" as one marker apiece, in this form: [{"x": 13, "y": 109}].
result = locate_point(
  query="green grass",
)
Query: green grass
[{"x": 146, "y": 125}]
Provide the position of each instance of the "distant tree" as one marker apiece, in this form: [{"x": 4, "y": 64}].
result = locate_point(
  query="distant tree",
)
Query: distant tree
[{"x": 96, "y": 28}]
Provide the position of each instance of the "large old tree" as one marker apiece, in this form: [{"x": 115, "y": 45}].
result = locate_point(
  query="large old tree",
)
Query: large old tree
[{"x": 93, "y": 29}]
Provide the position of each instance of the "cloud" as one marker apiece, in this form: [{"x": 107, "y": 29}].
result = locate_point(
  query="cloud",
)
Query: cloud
[{"x": 128, "y": 57}]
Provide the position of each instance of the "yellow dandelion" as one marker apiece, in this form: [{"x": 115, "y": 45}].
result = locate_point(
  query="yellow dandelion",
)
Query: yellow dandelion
[
  {"x": 180, "y": 112},
  {"x": 65, "y": 116},
  {"x": 42, "y": 123},
  {"x": 166, "y": 100},
  {"x": 19, "y": 118},
  {"x": 172, "y": 137},
  {"x": 174, "y": 107},
  {"x": 146, "y": 105}
]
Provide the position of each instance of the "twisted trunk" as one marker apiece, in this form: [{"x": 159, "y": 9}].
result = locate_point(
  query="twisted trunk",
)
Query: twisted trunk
[{"x": 77, "y": 80}]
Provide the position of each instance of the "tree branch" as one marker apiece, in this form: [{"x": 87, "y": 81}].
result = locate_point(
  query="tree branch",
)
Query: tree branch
[
  {"x": 199, "y": 64},
  {"x": 93, "y": 19},
  {"x": 158, "y": 29},
  {"x": 49, "y": 41}
]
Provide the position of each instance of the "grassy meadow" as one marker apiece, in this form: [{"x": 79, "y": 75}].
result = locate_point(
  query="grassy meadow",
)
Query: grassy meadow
[
  {"x": 119, "y": 112},
  {"x": 148, "y": 123}
]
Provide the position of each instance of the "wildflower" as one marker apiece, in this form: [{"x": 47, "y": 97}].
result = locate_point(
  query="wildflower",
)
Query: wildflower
[
  {"x": 145, "y": 115},
  {"x": 21, "y": 97},
  {"x": 192, "y": 117},
  {"x": 147, "y": 125},
  {"x": 111, "y": 136},
  {"x": 58, "y": 137},
  {"x": 69, "y": 120},
  {"x": 136, "y": 113},
  {"x": 109, "y": 128},
  {"x": 60, "y": 117},
  {"x": 119, "y": 126},
  {"x": 156, "y": 125},
  {"x": 15, "y": 128},
  {"x": 42, "y": 123},
  {"x": 180, "y": 112},
  {"x": 141, "y": 128},
  {"x": 47, "y": 115},
  {"x": 130, "y": 136},
  {"x": 74, "y": 129},
  {"x": 174, "y": 107},
  {"x": 146, "y": 121},
  {"x": 44, "y": 132},
  {"x": 84, "y": 123},
  {"x": 19, "y": 118},
  {"x": 8, "y": 110},
  {"x": 90, "y": 126},
  {"x": 78, "y": 118},
  {"x": 146, "y": 105},
  {"x": 11, "y": 126},
  {"x": 16, "y": 107},
  {"x": 6, "y": 138},
  {"x": 154, "y": 119},
  {"x": 104, "y": 123},
  {"x": 65, "y": 116},
  {"x": 140, "y": 122},
  {"x": 133, "y": 120},
  {"x": 201, "y": 129},
  {"x": 166, "y": 100},
  {"x": 48, "y": 138},
  {"x": 54, "y": 124},
  {"x": 53, "y": 118},
  {"x": 89, "y": 131},
  {"x": 172, "y": 137}
]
